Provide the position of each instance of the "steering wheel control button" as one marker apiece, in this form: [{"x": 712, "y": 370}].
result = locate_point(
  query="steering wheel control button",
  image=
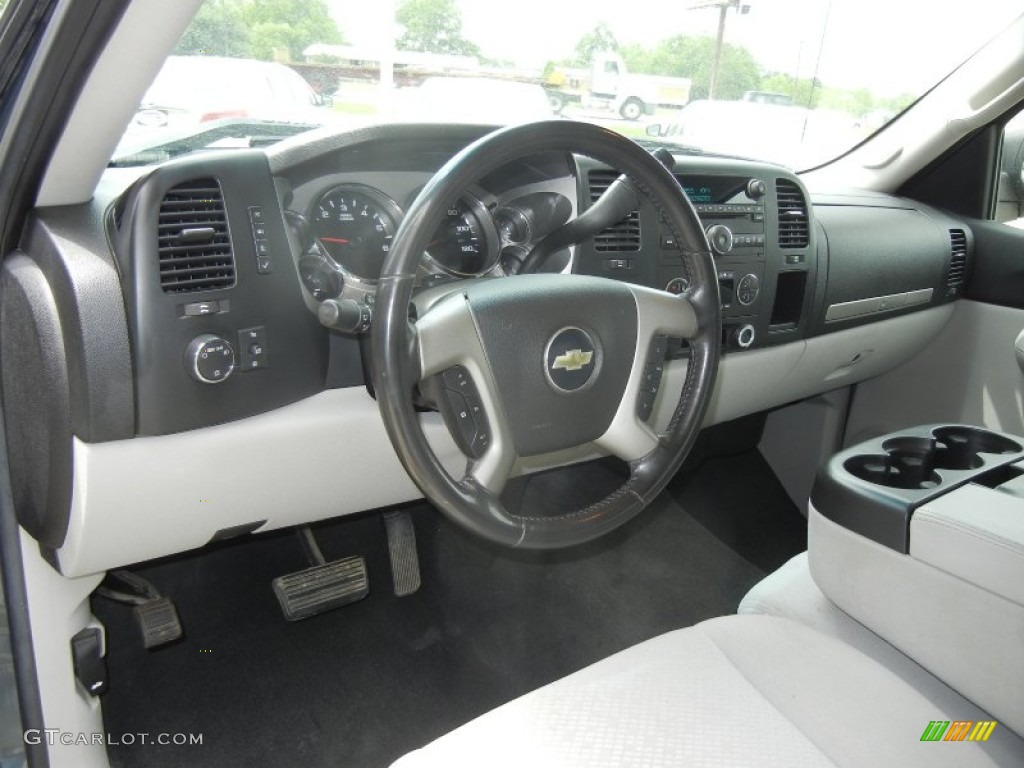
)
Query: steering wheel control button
[
  {"x": 570, "y": 360},
  {"x": 654, "y": 368},
  {"x": 210, "y": 359},
  {"x": 748, "y": 289},
  {"x": 253, "y": 345},
  {"x": 464, "y": 412}
]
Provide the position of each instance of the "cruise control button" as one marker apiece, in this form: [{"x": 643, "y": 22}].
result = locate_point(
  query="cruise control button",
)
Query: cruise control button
[{"x": 463, "y": 417}]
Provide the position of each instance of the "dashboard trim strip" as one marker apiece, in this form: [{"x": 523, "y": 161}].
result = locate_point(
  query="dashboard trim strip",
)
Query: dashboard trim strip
[{"x": 847, "y": 310}]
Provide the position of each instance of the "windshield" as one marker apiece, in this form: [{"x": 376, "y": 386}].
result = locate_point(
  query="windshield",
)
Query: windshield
[{"x": 796, "y": 82}]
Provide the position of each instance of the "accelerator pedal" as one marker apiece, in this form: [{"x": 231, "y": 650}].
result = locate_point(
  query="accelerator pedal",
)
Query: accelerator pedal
[
  {"x": 405, "y": 562},
  {"x": 323, "y": 587}
]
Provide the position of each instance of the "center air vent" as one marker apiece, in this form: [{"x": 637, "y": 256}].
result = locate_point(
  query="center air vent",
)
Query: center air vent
[
  {"x": 193, "y": 241},
  {"x": 958, "y": 261},
  {"x": 794, "y": 227},
  {"x": 624, "y": 236}
]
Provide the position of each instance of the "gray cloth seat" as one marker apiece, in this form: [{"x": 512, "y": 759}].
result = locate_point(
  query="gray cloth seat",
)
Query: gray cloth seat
[{"x": 751, "y": 690}]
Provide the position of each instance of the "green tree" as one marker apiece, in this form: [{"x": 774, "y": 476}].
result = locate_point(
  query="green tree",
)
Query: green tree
[
  {"x": 291, "y": 24},
  {"x": 255, "y": 28},
  {"x": 433, "y": 26},
  {"x": 600, "y": 38},
  {"x": 687, "y": 56},
  {"x": 218, "y": 29}
]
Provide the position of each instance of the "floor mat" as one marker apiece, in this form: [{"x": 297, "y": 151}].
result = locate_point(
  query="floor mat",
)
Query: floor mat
[
  {"x": 741, "y": 501},
  {"x": 367, "y": 683}
]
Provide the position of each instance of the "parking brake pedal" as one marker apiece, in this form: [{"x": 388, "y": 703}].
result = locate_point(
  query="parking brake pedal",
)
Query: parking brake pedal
[
  {"x": 324, "y": 586},
  {"x": 405, "y": 562},
  {"x": 155, "y": 614}
]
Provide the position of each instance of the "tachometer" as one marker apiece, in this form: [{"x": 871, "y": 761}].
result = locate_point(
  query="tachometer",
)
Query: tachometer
[
  {"x": 354, "y": 225},
  {"x": 466, "y": 243}
]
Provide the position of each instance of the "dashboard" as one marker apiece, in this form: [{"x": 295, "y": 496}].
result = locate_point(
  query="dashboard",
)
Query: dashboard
[{"x": 192, "y": 302}]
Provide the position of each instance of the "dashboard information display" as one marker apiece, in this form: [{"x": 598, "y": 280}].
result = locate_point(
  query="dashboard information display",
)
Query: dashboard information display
[{"x": 703, "y": 190}]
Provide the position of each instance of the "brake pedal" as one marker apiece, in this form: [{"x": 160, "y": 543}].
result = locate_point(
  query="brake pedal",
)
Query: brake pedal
[
  {"x": 405, "y": 562},
  {"x": 322, "y": 588}
]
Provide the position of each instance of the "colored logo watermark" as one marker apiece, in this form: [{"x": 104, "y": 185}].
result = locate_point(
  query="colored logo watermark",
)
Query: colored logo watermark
[{"x": 958, "y": 730}]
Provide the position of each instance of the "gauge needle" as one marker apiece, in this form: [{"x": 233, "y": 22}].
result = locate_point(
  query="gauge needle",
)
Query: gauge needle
[{"x": 341, "y": 240}]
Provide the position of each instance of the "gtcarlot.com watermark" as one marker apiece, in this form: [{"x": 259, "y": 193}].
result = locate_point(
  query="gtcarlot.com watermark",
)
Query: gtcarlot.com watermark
[{"x": 54, "y": 736}]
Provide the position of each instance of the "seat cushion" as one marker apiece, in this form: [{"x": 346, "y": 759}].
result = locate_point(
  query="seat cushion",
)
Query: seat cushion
[{"x": 736, "y": 691}]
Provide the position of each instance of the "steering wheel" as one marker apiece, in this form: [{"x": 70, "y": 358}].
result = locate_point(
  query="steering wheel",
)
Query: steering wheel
[{"x": 556, "y": 361}]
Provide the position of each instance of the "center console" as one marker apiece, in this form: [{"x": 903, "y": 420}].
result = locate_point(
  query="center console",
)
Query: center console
[{"x": 919, "y": 536}]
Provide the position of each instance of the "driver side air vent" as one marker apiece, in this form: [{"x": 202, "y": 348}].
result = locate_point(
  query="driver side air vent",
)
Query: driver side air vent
[
  {"x": 624, "y": 236},
  {"x": 958, "y": 261},
  {"x": 193, "y": 241},
  {"x": 794, "y": 227}
]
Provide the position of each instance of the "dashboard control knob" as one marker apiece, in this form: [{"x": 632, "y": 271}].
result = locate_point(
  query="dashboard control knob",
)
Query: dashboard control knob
[
  {"x": 747, "y": 289},
  {"x": 210, "y": 359},
  {"x": 345, "y": 315},
  {"x": 678, "y": 285},
  {"x": 745, "y": 336},
  {"x": 756, "y": 189},
  {"x": 720, "y": 238}
]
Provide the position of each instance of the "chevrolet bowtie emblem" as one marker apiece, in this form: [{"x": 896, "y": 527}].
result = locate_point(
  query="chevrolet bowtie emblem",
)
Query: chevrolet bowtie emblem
[{"x": 572, "y": 360}]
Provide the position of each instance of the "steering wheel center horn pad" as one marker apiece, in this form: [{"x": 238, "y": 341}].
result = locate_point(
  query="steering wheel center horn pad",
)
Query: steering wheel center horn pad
[
  {"x": 530, "y": 327},
  {"x": 558, "y": 360},
  {"x": 571, "y": 360}
]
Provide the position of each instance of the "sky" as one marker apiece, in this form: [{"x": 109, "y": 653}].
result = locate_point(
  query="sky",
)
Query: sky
[{"x": 887, "y": 46}]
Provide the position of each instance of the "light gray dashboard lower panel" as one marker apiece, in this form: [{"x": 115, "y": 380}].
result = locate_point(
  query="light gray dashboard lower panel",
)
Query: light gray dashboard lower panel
[{"x": 325, "y": 456}]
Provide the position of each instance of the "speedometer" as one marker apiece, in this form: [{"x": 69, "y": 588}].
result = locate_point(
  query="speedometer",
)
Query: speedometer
[
  {"x": 354, "y": 225},
  {"x": 466, "y": 242}
]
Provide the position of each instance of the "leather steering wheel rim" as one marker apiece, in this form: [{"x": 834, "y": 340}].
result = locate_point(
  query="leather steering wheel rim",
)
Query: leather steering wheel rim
[{"x": 399, "y": 353}]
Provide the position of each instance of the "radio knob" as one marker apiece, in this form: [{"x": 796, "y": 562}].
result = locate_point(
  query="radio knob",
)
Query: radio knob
[
  {"x": 720, "y": 238},
  {"x": 210, "y": 359},
  {"x": 745, "y": 336},
  {"x": 756, "y": 189}
]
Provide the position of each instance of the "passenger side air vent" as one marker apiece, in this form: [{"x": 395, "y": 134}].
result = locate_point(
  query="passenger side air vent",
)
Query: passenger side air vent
[
  {"x": 193, "y": 241},
  {"x": 958, "y": 261},
  {"x": 624, "y": 236},
  {"x": 794, "y": 227}
]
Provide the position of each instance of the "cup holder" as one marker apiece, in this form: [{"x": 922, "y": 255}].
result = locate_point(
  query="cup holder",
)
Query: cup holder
[
  {"x": 908, "y": 462},
  {"x": 958, "y": 447}
]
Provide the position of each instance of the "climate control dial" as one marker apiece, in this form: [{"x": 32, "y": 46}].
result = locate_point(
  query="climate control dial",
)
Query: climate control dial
[
  {"x": 747, "y": 289},
  {"x": 210, "y": 359}
]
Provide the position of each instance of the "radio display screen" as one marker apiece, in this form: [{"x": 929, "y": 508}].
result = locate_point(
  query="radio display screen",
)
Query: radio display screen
[{"x": 704, "y": 190}]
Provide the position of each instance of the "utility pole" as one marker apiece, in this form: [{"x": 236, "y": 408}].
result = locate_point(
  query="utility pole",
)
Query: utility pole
[{"x": 723, "y": 7}]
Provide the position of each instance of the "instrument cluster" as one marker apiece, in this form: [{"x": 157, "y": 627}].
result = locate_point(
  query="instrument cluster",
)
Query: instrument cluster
[{"x": 347, "y": 233}]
